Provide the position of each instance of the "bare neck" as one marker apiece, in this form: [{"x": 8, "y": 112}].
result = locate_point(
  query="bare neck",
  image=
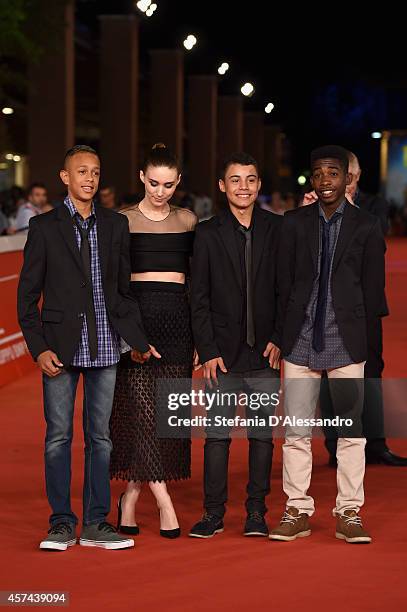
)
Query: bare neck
[
  {"x": 243, "y": 215},
  {"x": 330, "y": 209},
  {"x": 83, "y": 208},
  {"x": 154, "y": 212}
]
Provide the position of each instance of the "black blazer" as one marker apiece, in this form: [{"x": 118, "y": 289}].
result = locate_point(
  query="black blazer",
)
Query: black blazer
[
  {"x": 377, "y": 205},
  {"x": 217, "y": 294},
  {"x": 357, "y": 276},
  {"x": 52, "y": 268}
]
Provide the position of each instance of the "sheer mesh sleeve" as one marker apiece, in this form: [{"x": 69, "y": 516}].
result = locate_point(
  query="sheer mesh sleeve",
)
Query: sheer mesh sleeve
[
  {"x": 178, "y": 220},
  {"x": 161, "y": 246}
]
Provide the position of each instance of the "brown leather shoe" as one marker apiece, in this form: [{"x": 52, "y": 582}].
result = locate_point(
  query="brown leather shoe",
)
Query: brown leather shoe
[
  {"x": 349, "y": 527},
  {"x": 292, "y": 525}
]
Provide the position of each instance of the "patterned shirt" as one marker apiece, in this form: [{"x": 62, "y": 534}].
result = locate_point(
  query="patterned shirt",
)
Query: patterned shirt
[
  {"x": 108, "y": 339},
  {"x": 334, "y": 355}
]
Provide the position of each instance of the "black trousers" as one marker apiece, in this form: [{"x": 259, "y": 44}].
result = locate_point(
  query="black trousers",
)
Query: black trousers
[
  {"x": 373, "y": 410},
  {"x": 217, "y": 444}
]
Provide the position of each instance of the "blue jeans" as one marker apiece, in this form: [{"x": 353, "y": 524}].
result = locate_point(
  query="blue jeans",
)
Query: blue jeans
[{"x": 59, "y": 400}]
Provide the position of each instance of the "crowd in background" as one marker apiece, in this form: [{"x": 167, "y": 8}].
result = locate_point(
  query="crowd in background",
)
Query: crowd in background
[{"x": 17, "y": 205}]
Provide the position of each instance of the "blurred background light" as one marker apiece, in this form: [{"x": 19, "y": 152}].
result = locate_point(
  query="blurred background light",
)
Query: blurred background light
[{"x": 247, "y": 89}]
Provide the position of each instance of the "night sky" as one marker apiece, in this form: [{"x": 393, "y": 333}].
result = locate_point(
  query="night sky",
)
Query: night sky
[{"x": 333, "y": 76}]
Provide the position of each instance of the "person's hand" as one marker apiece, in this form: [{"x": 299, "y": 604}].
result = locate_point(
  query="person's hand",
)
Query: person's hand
[
  {"x": 49, "y": 363},
  {"x": 349, "y": 197},
  {"x": 195, "y": 361},
  {"x": 140, "y": 357},
  {"x": 273, "y": 353},
  {"x": 137, "y": 356},
  {"x": 210, "y": 370},
  {"x": 309, "y": 198}
]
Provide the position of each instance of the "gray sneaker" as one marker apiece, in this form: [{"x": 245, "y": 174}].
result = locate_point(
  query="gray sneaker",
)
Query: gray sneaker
[
  {"x": 103, "y": 535},
  {"x": 60, "y": 536}
]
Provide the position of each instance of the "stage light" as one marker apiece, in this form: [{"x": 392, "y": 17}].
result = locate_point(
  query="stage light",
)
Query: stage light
[
  {"x": 376, "y": 135},
  {"x": 190, "y": 42},
  {"x": 151, "y": 10},
  {"x": 247, "y": 89},
  {"x": 9, "y": 156},
  {"x": 301, "y": 180},
  {"x": 268, "y": 108},
  {"x": 143, "y": 5},
  {"x": 16, "y": 158},
  {"x": 223, "y": 68},
  {"x": 7, "y": 110}
]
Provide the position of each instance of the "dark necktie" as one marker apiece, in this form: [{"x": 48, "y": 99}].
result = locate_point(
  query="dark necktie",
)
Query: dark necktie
[
  {"x": 318, "y": 336},
  {"x": 248, "y": 258},
  {"x": 87, "y": 270}
]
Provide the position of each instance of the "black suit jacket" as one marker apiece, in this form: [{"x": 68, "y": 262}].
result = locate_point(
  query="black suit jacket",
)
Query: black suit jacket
[
  {"x": 52, "y": 268},
  {"x": 377, "y": 205},
  {"x": 217, "y": 294},
  {"x": 357, "y": 276}
]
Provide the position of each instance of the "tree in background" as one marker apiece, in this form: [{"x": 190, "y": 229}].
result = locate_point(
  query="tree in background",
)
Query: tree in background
[{"x": 27, "y": 29}]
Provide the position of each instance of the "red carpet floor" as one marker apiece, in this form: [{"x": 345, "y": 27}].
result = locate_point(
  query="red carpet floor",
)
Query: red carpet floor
[{"x": 228, "y": 572}]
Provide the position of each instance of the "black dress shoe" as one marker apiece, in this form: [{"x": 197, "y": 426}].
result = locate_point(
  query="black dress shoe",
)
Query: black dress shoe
[
  {"x": 386, "y": 457},
  {"x": 255, "y": 525},
  {"x": 130, "y": 530}
]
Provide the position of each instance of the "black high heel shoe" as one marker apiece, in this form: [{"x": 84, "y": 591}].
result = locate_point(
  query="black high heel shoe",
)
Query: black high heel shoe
[
  {"x": 135, "y": 530},
  {"x": 171, "y": 534}
]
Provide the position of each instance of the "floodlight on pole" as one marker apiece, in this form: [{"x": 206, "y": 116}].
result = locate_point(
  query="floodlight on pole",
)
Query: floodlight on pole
[
  {"x": 247, "y": 89},
  {"x": 143, "y": 5},
  {"x": 150, "y": 10},
  {"x": 190, "y": 42},
  {"x": 223, "y": 68}
]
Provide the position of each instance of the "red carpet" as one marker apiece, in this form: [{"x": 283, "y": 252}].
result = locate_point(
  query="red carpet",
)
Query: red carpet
[{"x": 228, "y": 572}]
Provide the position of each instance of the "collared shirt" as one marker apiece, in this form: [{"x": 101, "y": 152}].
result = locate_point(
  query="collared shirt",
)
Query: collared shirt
[
  {"x": 108, "y": 339},
  {"x": 24, "y": 214},
  {"x": 334, "y": 355},
  {"x": 248, "y": 358}
]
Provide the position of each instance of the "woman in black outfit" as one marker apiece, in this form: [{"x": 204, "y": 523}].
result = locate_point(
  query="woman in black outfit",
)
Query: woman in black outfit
[{"x": 161, "y": 237}]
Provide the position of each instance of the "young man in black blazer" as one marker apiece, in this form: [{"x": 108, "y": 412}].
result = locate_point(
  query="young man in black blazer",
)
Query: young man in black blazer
[
  {"x": 376, "y": 450},
  {"x": 373, "y": 418},
  {"x": 233, "y": 303},
  {"x": 77, "y": 259},
  {"x": 331, "y": 281}
]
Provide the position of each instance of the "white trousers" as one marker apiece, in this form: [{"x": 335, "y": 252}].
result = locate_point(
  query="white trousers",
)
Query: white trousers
[{"x": 300, "y": 400}]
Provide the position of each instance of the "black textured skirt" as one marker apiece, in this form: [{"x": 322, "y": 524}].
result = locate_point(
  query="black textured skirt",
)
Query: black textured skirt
[{"x": 138, "y": 453}]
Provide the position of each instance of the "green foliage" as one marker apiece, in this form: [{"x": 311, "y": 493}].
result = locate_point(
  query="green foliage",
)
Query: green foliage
[
  {"x": 27, "y": 29},
  {"x": 12, "y": 18}
]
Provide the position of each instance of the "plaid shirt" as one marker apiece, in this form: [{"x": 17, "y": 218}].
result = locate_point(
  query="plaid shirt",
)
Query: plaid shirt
[
  {"x": 108, "y": 339},
  {"x": 334, "y": 354}
]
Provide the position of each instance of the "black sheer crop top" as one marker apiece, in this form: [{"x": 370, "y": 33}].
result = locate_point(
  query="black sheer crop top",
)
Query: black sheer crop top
[{"x": 161, "y": 246}]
